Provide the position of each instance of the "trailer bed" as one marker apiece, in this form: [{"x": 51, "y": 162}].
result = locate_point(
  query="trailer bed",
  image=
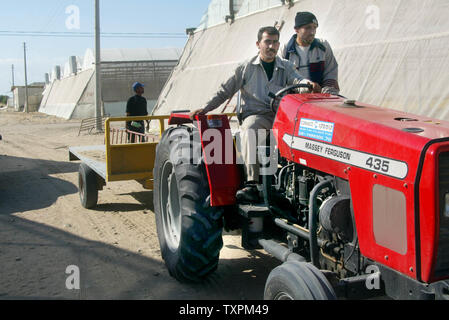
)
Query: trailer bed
[{"x": 93, "y": 156}]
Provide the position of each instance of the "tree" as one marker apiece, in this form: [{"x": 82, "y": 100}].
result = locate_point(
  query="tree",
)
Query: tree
[{"x": 4, "y": 99}]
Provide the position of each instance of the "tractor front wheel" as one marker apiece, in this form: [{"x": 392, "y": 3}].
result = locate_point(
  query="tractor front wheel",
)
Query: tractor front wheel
[{"x": 295, "y": 280}]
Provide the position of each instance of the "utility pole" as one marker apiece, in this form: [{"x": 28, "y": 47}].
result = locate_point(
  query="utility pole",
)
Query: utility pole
[
  {"x": 25, "y": 108},
  {"x": 97, "y": 68},
  {"x": 13, "y": 98},
  {"x": 12, "y": 73}
]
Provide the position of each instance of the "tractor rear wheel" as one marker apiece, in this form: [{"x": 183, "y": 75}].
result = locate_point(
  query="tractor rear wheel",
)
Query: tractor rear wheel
[
  {"x": 189, "y": 229},
  {"x": 295, "y": 280}
]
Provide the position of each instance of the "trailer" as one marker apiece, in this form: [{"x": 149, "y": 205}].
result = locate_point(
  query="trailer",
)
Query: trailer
[{"x": 117, "y": 159}]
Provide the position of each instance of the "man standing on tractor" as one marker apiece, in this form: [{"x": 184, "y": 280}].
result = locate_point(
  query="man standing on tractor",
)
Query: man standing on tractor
[
  {"x": 256, "y": 78},
  {"x": 136, "y": 106},
  {"x": 312, "y": 57}
]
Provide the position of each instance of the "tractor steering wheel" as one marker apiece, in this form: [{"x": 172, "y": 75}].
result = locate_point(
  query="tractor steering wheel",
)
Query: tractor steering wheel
[{"x": 287, "y": 90}]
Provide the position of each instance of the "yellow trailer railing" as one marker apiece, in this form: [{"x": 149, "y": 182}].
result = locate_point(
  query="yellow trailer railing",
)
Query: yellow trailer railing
[{"x": 131, "y": 161}]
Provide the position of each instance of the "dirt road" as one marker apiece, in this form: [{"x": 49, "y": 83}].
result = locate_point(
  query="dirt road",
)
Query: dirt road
[{"x": 44, "y": 229}]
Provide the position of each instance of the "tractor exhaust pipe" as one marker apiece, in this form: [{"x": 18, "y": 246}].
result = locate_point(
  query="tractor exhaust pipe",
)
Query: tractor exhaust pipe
[{"x": 313, "y": 220}]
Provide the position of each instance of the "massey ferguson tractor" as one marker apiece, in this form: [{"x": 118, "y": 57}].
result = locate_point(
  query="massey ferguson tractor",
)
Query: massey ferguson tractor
[{"x": 355, "y": 199}]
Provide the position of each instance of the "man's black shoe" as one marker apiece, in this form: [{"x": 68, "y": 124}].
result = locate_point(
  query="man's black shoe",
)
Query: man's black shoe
[{"x": 248, "y": 194}]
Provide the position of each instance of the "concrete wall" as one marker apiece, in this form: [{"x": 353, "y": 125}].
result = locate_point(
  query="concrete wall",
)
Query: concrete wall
[{"x": 34, "y": 98}]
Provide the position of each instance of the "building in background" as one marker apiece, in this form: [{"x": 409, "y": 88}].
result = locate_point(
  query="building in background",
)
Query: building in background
[
  {"x": 10, "y": 103},
  {"x": 35, "y": 91},
  {"x": 70, "y": 91}
]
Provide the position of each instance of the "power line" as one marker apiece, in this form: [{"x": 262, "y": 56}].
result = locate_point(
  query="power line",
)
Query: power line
[
  {"x": 79, "y": 32},
  {"x": 91, "y": 34}
]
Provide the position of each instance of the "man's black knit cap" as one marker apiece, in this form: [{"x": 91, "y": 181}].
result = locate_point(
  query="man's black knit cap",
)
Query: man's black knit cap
[{"x": 303, "y": 18}]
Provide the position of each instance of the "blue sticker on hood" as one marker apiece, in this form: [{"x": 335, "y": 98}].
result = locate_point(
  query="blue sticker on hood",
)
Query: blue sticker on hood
[{"x": 316, "y": 129}]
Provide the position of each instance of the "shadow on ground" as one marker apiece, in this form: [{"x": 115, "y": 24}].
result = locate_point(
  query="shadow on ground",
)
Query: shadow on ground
[
  {"x": 35, "y": 257},
  {"x": 32, "y": 188},
  {"x": 145, "y": 199}
]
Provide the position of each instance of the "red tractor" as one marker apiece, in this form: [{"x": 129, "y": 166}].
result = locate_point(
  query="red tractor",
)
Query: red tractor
[{"x": 356, "y": 204}]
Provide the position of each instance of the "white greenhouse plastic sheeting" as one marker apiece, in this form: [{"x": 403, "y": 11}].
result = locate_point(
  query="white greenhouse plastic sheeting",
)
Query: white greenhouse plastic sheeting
[
  {"x": 218, "y": 10},
  {"x": 390, "y": 53},
  {"x": 140, "y": 54},
  {"x": 73, "y": 95},
  {"x": 62, "y": 96},
  {"x": 130, "y": 55}
]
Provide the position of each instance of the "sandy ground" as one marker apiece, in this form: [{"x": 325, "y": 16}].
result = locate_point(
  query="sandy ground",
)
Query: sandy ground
[{"x": 44, "y": 229}]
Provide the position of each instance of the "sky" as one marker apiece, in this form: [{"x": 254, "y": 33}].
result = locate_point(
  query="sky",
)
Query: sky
[{"x": 53, "y": 30}]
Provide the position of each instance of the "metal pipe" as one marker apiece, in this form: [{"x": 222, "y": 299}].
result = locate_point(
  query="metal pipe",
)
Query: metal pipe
[
  {"x": 313, "y": 221},
  {"x": 97, "y": 67},
  {"x": 296, "y": 230},
  {"x": 303, "y": 233},
  {"x": 231, "y": 15},
  {"x": 279, "y": 252},
  {"x": 275, "y": 249}
]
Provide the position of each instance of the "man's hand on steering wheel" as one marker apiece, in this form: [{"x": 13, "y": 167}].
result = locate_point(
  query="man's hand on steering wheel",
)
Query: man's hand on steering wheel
[
  {"x": 298, "y": 86},
  {"x": 309, "y": 86},
  {"x": 316, "y": 88}
]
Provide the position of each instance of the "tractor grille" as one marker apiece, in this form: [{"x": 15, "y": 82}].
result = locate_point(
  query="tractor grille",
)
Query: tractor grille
[{"x": 442, "y": 265}]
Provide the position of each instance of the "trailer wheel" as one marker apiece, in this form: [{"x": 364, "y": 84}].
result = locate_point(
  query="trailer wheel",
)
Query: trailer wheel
[
  {"x": 87, "y": 184},
  {"x": 189, "y": 229},
  {"x": 295, "y": 280}
]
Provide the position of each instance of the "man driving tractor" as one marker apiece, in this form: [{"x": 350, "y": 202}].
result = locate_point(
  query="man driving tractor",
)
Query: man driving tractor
[{"x": 256, "y": 77}]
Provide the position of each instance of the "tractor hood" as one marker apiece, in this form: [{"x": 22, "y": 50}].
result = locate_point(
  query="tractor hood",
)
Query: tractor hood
[
  {"x": 397, "y": 168},
  {"x": 350, "y": 132}
]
